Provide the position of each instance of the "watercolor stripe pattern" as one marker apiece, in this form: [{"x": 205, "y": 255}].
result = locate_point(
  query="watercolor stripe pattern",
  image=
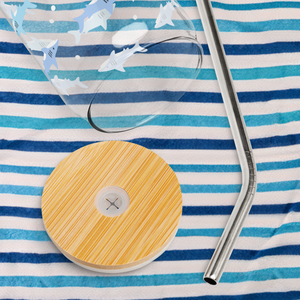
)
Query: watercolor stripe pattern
[{"x": 38, "y": 131}]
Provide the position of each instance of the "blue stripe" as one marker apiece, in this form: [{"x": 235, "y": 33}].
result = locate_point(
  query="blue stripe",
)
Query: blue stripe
[
  {"x": 21, "y": 234},
  {"x": 32, "y": 258},
  {"x": 227, "y": 209},
  {"x": 204, "y": 254},
  {"x": 26, "y": 170},
  {"x": 24, "y": 212},
  {"x": 47, "y": 146},
  {"x": 21, "y": 190},
  {"x": 261, "y": 275},
  {"x": 160, "y": 120},
  {"x": 150, "y": 72},
  {"x": 235, "y": 188},
  {"x": 261, "y": 232},
  {"x": 11, "y": 211},
  {"x": 279, "y": 165},
  {"x": 36, "y": 99},
  {"x": 189, "y": 97},
  {"x": 131, "y": 73},
  {"x": 106, "y": 49},
  {"x": 268, "y": 166},
  {"x": 100, "y": 281},
  {"x": 145, "y": 280},
  {"x": 167, "y": 48},
  {"x": 223, "y": 25},
  {"x": 290, "y": 295},
  {"x": 173, "y": 255},
  {"x": 136, "y": 3}
]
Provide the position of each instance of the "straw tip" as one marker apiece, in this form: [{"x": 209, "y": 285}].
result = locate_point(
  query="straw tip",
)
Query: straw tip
[{"x": 210, "y": 280}]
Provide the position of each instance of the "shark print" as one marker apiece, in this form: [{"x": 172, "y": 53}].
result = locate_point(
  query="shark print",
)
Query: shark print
[
  {"x": 49, "y": 55},
  {"x": 97, "y": 19},
  {"x": 165, "y": 15},
  {"x": 65, "y": 84},
  {"x": 38, "y": 45},
  {"x": 8, "y": 9},
  {"x": 19, "y": 15},
  {"x": 116, "y": 61},
  {"x": 92, "y": 8}
]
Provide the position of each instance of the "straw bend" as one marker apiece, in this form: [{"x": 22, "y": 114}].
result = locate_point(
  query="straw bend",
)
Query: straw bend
[{"x": 243, "y": 205}]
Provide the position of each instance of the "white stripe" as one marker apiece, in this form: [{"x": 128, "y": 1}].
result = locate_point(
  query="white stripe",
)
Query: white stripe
[
  {"x": 227, "y": 37},
  {"x": 265, "y": 198},
  {"x": 256, "y": 37},
  {"x": 235, "y": 178},
  {"x": 271, "y": 107},
  {"x": 27, "y": 86},
  {"x": 48, "y": 159},
  {"x": 278, "y": 197},
  {"x": 42, "y": 159},
  {"x": 89, "y": 136},
  {"x": 175, "y": 60},
  {"x": 24, "y": 179},
  {"x": 24, "y": 246},
  {"x": 243, "y": 243},
  {"x": 168, "y": 267},
  {"x": 179, "y": 243},
  {"x": 21, "y": 200},
  {"x": 39, "y": 111},
  {"x": 156, "y": 292},
  {"x": 22, "y": 223},
  {"x": 173, "y": 132},
  {"x": 256, "y": 15},
  {"x": 277, "y": 154},
  {"x": 219, "y": 221},
  {"x": 176, "y": 108},
  {"x": 88, "y": 63}
]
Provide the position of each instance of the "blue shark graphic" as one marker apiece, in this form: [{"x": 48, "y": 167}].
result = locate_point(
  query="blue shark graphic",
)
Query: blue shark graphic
[
  {"x": 92, "y": 8},
  {"x": 18, "y": 17},
  {"x": 49, "y": 55},
  {"x": 116, "y": 61},
  {"x": 98, "y": 19}
]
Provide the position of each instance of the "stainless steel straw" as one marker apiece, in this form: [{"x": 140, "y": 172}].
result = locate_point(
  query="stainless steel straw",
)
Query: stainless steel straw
[{"x": 244, "y": 202}]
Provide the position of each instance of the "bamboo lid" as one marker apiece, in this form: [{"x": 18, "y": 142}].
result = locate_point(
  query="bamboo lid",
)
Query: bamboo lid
[{"x": 112, "y": 206}]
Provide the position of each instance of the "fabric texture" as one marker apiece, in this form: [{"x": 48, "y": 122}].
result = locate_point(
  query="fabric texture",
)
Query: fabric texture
[{"x": 262, "y": 42}]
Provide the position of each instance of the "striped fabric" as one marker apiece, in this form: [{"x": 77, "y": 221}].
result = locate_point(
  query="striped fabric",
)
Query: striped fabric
[{"x": 262, "y": 42}]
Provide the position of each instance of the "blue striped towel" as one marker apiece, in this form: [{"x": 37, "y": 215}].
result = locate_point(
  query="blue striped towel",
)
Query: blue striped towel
[{"x": 262, "y": 42}]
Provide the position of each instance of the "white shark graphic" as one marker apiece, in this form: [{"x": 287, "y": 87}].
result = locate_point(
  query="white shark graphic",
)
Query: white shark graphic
[
  {"x": 97, "y": 19},
  {"x": 116, "y": 61},
  {"x": 19, "y": 15},
  {"x": 65, "y": 84},
  {"x": 49, "y": 55},
  {"x": 38, "y": 45},
  {"x": 165, "y": 15},
  {"x": 8, "y": 9}
]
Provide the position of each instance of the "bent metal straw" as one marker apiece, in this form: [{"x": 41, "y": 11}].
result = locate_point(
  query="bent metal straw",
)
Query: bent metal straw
[{"x": 243, "y": 205}]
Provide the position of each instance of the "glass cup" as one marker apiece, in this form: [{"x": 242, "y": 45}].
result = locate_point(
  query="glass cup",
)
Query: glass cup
[{"x": 115, "y": 63}]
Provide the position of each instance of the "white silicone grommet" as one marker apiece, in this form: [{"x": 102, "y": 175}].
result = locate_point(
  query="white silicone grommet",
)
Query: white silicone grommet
[{"x": 112, "y": 201}]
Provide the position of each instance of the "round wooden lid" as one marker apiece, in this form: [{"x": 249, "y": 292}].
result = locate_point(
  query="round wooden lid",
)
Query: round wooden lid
[{"x": 141, "y": 206}]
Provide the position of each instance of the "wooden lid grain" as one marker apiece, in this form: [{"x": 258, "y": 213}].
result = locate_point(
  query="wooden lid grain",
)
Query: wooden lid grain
[{"x": 100, "y": 242}]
